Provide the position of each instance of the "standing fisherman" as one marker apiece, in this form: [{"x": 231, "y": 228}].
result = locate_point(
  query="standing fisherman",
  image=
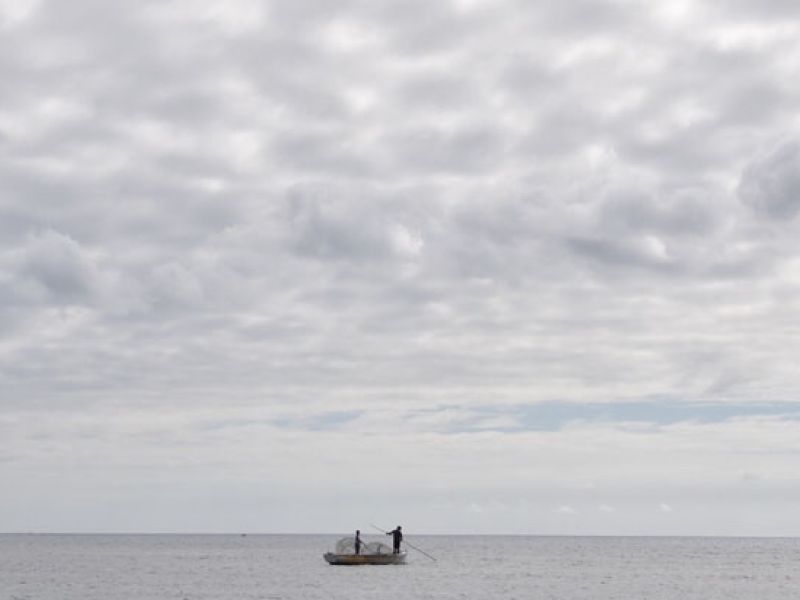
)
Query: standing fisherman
[
  {"x": 358, "y": 541},
  {"x": 397, "y": 537}
]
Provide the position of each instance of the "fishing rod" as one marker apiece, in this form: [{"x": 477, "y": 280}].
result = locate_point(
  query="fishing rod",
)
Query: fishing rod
[{"x": 410, "y": 545}]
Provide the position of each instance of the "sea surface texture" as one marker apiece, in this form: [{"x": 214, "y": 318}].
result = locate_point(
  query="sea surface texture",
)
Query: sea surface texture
[{"x": 278, "y": 567}]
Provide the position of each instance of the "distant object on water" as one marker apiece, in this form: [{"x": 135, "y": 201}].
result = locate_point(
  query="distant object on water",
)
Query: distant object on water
[{"x": 372, "y": 553}]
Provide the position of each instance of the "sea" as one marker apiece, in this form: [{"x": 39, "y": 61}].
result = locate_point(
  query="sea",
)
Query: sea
[{"x": 291, "y": 567}]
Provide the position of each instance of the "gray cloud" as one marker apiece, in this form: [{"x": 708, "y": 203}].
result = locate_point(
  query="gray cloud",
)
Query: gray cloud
[
  {"x": 771, "y": 184},
  {"x": 51, "y": 268}
]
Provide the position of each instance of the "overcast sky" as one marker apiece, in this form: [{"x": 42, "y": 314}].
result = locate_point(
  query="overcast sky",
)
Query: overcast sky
[{"x": 468, "y": 266}]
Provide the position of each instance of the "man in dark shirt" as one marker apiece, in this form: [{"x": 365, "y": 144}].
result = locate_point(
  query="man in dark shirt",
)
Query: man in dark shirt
[
  {"x": 397, "y": 537},
  {"x": 358, "y": 541}
]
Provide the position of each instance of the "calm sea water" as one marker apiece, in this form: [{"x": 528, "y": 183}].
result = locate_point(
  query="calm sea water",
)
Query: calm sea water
[{"x": 278, "y": 567}]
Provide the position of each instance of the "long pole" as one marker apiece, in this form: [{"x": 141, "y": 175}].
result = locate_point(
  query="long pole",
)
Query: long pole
[{"x": 410, "y": 545}]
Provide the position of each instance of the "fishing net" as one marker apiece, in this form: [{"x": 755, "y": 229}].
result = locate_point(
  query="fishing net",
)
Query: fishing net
[{"x": 348, "y": 546}]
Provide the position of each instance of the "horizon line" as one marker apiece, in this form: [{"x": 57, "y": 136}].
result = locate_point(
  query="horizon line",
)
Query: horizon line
[{"x": 279, "y": 533}]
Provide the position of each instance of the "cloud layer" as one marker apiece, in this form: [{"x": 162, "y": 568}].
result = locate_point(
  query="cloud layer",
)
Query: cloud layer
[{"x": 240, "y": 241}]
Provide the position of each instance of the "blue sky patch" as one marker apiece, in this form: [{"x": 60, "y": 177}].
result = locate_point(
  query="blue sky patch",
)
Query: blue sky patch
[{"x": 552, "y": 416}]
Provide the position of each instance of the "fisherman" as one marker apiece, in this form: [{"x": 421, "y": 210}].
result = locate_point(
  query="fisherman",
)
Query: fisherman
[
  {"x": 358, "y": 541},
  {"x": 397, "y": 537}
]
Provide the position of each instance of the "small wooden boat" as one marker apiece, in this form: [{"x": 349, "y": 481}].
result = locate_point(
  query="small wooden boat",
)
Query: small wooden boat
[
  {"x": 365, "y": 559},
  {"x": 372, "y": 553}
]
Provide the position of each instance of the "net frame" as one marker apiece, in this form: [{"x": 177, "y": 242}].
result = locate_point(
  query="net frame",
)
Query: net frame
[{"x": 347, "y": 545}]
